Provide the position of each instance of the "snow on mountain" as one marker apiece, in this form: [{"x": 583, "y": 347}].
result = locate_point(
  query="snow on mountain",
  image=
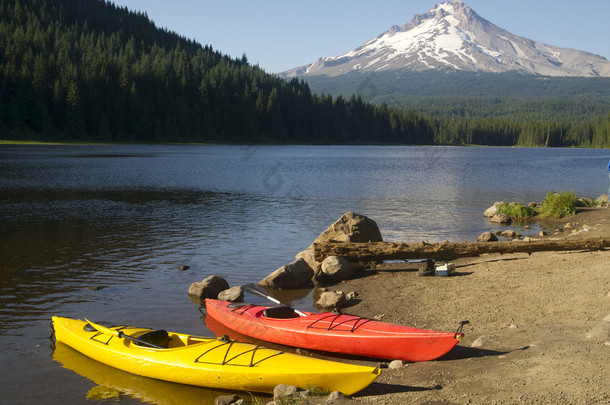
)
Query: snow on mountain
[{"x": 452, "y": 36}]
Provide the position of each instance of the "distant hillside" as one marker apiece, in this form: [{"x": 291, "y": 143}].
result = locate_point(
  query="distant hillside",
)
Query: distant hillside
[
  {"x": 453, "y": 93},
  {"x": 88, "y": 70}
]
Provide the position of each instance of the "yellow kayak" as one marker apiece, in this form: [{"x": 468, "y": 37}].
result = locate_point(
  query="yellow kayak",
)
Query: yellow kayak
[
  {"x": 112, "y": 383},
  {"x": 207, "y": 362}
]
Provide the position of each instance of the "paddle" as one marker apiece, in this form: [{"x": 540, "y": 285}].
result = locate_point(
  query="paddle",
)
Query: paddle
[
  {"x": 120, "y": 334},
  {"x": 256, "y": 290}
]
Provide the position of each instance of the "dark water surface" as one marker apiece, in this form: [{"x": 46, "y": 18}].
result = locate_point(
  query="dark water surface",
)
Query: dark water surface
[{"x": 99, "y": 232}]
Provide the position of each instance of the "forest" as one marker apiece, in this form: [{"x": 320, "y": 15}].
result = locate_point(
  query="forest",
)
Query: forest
[{"x": 89, "y": 71}]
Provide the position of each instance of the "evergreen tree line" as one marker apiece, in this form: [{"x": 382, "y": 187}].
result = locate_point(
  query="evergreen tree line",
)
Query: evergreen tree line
[
  {"x": 90, "y": 71},
  {"x": 464, "y": 94}
]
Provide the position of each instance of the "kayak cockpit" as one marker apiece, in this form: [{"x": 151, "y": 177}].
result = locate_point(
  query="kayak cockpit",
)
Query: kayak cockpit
[
  {"x": 158, "y": 339},
  {"x": 280, "y": 313}
]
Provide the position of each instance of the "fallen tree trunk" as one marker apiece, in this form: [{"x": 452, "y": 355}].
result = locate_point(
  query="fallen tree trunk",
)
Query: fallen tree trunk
[{"x": 378, "y": 251}]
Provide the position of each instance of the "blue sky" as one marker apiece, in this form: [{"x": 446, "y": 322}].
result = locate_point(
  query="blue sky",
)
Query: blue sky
[{"x": 282, "y": 34}]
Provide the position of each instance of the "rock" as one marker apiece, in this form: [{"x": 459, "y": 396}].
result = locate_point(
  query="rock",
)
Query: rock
[
  {"x": 209, "y": 287},
  {"x": 396, "y": 364},
  {"x": 493, "y": 210},
  {"x": 292, "y": 276},
  {"x": 510, "y": 234},
  {"x": 332, "y": 299},
  {"x": 337, "y": 268},
  {"x": 226, "y": 400},
  {"x": 336, "y": 396},
  {"x": 233, "y": 294},
  {"x": 485, "y": 340},
  {"x": 542, "y": 233},
  {"x": 350, "y": 227},
  {"x": 602, "y": 199},
  {"x": 284, "y": 390},
  {"x": 184, "y": 267},
  {"x": 305, "y": 394},
  {"x": 308, "y": 256},
  {"x": 487, "y": 237},
  {"x": 501, "y": 219},
  {"x": 95, "y": 287},
  {"x": 480, "y": 341}
]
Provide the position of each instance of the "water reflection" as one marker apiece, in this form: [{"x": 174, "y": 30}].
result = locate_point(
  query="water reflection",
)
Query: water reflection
[{"x": 114, "y": 384}]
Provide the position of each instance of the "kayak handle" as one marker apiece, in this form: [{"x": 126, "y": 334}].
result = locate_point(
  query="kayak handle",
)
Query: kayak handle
[
  {"x": 377, "y": 369},
  {"x": 458, "y": 334}
]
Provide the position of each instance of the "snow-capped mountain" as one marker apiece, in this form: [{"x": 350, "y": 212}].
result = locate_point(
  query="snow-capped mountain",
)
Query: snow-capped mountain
[{"x": 452, "y": 36}]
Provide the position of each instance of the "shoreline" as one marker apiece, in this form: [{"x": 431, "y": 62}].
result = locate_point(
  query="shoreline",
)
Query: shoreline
[
  {"x": 539, "y": 330},
  {"x": 93, "y": 143}
]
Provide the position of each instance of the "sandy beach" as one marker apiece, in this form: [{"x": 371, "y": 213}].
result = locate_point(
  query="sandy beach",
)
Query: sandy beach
[{"x": 539, "y": 330}]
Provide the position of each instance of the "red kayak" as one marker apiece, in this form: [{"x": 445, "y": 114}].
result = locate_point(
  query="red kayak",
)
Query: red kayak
[{"x": 332, "y": 332}]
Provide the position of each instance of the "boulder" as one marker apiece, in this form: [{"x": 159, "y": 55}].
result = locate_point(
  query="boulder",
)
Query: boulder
[
  {"x": 337, "y": 268},
  {"x": 501, "y": 219},
  {"x": 332, "y": 299},
  {"x": 493, "y": 210},
  {"x": 283, "y": 390},
  {"x": 602, "y": 199},
  {"x": 292, "y": 276},
  {"x": 209, "y": 287},
  {"x": 396, "y": 364},
  {"x": 336, "y": 396},
  {"x": 487, "y": 237},
  {"x": 584, "y": 202},
  {"x": 233, "y": 294},
  {"x": 227, "y": 400},
  {"x": 351, "y": 227},
  {"x": 509, "y": 234},
  {"x": 308, "y": 256}
]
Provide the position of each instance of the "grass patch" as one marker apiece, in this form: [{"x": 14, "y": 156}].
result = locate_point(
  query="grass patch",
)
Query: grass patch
[
  {"x": 558, "y": 205},
  {"x": 517, "y": 211},
  {"x": 317, "y": 392},
  {"x": 554, "y": 206}
]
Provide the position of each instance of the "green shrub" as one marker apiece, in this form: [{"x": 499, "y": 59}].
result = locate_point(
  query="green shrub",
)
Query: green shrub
[
  {"x": 558, "y": 205},
  {"x": 517, "y": 211}
]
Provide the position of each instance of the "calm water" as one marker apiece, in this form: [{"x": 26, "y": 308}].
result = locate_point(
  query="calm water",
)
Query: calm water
[{"x": 99, "y": 231}]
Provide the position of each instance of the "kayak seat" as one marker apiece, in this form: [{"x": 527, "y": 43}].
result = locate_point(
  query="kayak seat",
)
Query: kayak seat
[
  {"x": 155, "y": 337},
  {"x": 280, "y": 313}
]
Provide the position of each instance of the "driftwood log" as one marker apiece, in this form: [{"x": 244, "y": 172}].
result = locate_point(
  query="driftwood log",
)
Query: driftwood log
[{"x": 378, "y": 251}]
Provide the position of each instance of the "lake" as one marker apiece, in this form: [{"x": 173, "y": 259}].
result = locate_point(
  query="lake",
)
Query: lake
[{"x": 100, "y": 231}]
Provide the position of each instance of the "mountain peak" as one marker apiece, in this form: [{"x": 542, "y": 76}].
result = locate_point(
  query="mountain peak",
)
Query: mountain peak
[
  {"x": 442, "y": 10},
  {"x": 451, "y": 35}
]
